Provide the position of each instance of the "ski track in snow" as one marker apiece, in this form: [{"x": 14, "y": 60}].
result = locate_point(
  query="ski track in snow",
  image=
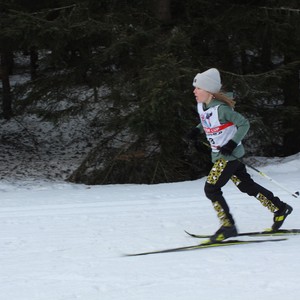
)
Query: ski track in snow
[{"x": 62, "y": 241}]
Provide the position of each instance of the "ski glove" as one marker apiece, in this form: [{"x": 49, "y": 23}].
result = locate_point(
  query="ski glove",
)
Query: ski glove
[
  {"x": 193, "y": 133},
  {"x": 228, "y": 148}
]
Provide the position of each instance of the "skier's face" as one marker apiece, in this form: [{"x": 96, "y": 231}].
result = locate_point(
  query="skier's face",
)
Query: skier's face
[{"x": 202, "y": 96}]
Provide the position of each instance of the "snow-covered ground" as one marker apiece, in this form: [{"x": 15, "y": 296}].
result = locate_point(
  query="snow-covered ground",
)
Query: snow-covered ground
[{"x": 61, "y": 241}]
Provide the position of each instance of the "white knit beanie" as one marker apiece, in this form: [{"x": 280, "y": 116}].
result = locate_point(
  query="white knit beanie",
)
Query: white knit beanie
[{"x": 209, "y": 81}]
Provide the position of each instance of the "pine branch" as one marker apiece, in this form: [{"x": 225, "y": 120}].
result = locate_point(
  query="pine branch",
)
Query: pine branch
[
  {"x": 268, "y": 73},
  {"x": 281, "y": 9}
]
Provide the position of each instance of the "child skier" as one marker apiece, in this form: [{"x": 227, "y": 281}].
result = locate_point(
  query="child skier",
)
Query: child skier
[{"x": 225, "y": 130}]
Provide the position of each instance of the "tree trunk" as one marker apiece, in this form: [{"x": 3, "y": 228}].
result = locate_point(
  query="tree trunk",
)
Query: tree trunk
[
  {"x": 33, "y": 63},
  {"x": 266, "y": 52},
  {"x": 4, "y": 71},
  {"x": 163, "y": 10},
  {"x": 291, "y": 140}
]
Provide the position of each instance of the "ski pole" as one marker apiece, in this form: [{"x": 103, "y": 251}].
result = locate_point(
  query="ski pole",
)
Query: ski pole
[{"x": 296, "y": 194}]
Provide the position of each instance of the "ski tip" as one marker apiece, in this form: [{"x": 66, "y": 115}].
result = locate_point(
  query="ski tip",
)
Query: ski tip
[{"x": 133, "y": 254}]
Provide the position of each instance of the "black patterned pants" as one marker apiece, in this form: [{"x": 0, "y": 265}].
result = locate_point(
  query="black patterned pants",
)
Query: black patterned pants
[{"x": 221, "y": 172}]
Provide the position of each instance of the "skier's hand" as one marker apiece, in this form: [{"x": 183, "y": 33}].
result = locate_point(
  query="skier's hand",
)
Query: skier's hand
[{"x": 228, "y": 148}]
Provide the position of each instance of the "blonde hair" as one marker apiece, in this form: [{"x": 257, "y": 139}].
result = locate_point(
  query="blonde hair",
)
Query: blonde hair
[{"x": 224, "y": 98}]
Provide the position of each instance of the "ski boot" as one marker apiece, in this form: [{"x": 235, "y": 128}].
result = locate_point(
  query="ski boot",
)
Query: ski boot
[
  {"x": 224, "y": 232},
  {"x": 280, "y": 216}
]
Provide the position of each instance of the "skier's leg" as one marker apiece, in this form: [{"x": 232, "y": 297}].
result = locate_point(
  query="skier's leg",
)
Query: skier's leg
[
  {"x": 246, "y": 184},
  {"x": 217, "y": 178}
]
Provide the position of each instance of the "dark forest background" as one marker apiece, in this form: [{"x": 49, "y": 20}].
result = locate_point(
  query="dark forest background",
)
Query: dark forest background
[{"x": 131, "y": 65}]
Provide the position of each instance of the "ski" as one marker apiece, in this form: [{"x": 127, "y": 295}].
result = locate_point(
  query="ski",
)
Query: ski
[
  {"x": 279, "y": 232},
  {"x": 207, "y": 245}
]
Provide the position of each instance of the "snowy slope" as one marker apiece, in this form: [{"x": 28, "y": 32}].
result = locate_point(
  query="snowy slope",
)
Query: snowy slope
[{"x": 60, "y": 241}]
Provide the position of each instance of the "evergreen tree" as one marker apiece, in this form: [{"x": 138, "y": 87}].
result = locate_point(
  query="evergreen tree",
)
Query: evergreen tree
[{"x": 144, "y": 55}]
